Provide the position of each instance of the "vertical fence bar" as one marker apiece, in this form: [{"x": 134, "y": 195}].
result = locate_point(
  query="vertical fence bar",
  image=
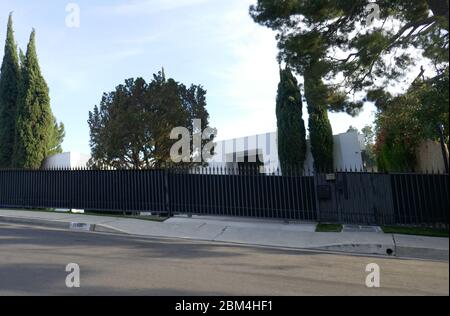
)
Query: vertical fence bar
[{"x": 168, "y": 209}]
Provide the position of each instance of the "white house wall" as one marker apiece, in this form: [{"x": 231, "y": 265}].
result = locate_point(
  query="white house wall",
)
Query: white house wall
[
  {"x": 347, "y": 152},
  {"x": 66, "y": 160}
]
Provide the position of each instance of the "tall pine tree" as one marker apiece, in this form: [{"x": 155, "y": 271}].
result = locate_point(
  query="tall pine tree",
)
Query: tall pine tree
[
  {"x": 291, "y": 126},
  {"x": 9, "y": 90},
  {"x": 35, "y": 122}
]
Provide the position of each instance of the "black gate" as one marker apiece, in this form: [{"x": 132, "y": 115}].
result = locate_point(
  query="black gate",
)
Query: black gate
[
  {"x": 364, "y": 198},
  {"x": 383, "y": 199}
]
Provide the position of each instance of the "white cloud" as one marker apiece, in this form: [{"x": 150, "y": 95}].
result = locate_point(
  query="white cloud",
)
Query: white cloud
[{"x": 250, "y": 83}]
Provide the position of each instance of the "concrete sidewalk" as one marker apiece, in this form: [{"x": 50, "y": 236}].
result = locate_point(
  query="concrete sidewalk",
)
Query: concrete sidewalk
[{"x": 248, "y": 232}]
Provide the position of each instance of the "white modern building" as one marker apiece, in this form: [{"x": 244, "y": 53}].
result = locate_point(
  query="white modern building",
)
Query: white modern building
[
  {"x": 66, "y": 160},
  {"x": 263, "y": 149}
]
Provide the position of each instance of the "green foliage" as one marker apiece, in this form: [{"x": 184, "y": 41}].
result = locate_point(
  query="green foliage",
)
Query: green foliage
[
  {"x": 291, "y": 126},
  {"x": 416, "y": 231},
  {"x": 9, "y": 90},
  {"x": 37, "y": 134},
  {"x": 28, "y": 131},
  {"x": 322, "y": 142},
  {"x": 320, "y": 131},
  {"x": 393, "y": 156},
  {"x": 324, "y": 31},
  {"x": 368, "y": 154},
  {"x": 329, "y": 228},
  {"x": 56, "y": 139},
  {"x": 132, "y": 125},
  {"x": 314, "y": 35},
  {"x": 404, "y": 121},
  {"x": 369, "y": 135}
]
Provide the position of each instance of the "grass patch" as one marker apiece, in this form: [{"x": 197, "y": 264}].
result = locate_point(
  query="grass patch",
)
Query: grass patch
[
  {"x": 329, "y": 228},
  {"x": 418, "y": 231}
]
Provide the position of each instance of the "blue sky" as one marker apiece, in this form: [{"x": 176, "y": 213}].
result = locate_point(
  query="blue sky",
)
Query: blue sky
[{"x": 214, "y": 43}]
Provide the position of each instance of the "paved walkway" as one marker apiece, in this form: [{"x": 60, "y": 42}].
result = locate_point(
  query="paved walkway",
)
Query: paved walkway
[{"x": 249, "y": 232}]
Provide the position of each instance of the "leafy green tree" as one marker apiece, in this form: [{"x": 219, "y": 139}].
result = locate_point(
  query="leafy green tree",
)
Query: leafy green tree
[
  {"x": 336, "y": 36},
  {"x": 368, "y": 153},
  {"x": 37, "y": 134},
  {"x": 131, "y": 127},
  {"x": 9, "y": 90},
  {"x": 340, "y": 55},
  {"x": 406, "y": 120},
  {"x": 291, "y": 126},
  {"x": 369, "y": 134}
]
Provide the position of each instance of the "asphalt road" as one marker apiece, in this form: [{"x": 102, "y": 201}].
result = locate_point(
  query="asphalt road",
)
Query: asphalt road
[{"x": 33, "y": 262}]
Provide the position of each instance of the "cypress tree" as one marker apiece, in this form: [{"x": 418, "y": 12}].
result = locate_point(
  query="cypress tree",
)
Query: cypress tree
[
  {"x": 320, "y": 131},
  {"x": 9, "y": 89},
  {"x": 35, "y": 121},
  {"x": 291, "y": 126},
  {"x": 56, "y": 138},
  {"x": 21, "y": 59}
]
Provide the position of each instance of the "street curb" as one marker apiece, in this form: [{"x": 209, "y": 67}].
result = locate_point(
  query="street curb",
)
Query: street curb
[
  {"x": 34, "y": 221},
  {"x": 369, "y": 249},
  {"x": 423, "y": 253},
  {"x": 100, "y": 228},
  {"x": 400, "y": 252},
  {"x": 383, "y": 250}
]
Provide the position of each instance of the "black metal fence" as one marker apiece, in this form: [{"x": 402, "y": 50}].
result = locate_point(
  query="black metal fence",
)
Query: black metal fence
[
  {"x": 420, "y": 198},
  {"x": 249, "y": 195},
  {"x": 108, "y": 190},
  {"x": 346, "y": 197}
]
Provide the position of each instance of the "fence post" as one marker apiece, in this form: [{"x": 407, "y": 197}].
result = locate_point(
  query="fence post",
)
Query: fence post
[
  {"x": 166, "y": 192},
  {"x": 440, "y": 129},
  {"x": 316, "y": 196}
]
